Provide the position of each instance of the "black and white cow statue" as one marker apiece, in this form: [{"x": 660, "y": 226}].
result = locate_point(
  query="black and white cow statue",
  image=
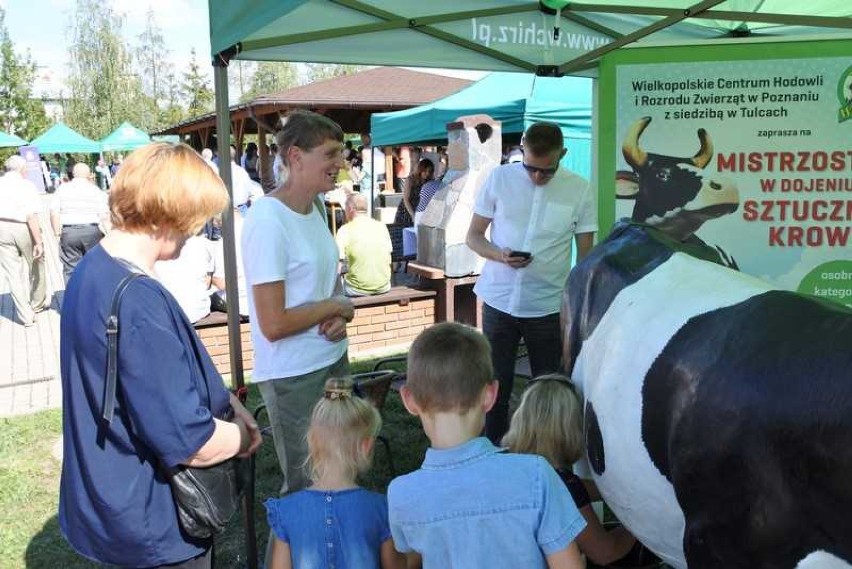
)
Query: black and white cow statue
[{"x": 718, "y": 410}]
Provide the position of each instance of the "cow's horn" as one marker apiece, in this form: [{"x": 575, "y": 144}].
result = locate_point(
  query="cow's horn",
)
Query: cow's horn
[
  {"x": 633, "y": 154},
  {"x": 705, "y": 153}
]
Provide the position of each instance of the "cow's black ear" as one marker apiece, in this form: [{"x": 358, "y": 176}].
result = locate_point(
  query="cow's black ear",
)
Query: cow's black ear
[
  {"x": 626, "y": 185},
  {"x": 594, "y": 440}
]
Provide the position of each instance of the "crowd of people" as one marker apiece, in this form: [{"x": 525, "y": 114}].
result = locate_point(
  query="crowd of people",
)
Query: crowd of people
[{"x": 469, "y": 505}]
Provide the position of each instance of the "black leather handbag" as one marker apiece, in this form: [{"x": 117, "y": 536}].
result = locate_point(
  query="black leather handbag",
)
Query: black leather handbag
[{"x": 205, "y": 498}]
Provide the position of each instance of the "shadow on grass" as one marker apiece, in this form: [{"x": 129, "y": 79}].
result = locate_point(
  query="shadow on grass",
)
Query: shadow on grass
[{"x": 48, "y": 549}]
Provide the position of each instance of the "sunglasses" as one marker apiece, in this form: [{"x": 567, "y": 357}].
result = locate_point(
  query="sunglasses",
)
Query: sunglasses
[{"x": 546, "y": 172}]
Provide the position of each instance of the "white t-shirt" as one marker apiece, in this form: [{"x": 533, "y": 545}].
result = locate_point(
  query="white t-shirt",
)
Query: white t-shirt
[
  {"x": 219, "y": 262},
  {"x": 245, "y": 188},
  {"x": 281, "y": 245},
  {"x": 540, "y": 219},
  {"x": 186, "y": 277}
]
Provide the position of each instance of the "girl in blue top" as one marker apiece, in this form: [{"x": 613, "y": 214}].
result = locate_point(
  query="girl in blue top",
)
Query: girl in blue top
[
  {"x": 334, "y": 523},
  {"x": 549, "y": 423}
]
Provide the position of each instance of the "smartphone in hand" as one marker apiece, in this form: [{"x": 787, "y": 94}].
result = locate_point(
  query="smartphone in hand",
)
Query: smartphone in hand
[{"x": 524, "y": 254}]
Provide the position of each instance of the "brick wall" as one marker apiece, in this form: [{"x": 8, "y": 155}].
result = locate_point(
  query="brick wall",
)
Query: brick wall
[
  {"x": 215, "y": 339},
  {"x": 382, "y": 323},
  {"x": 389, "y": 325}
]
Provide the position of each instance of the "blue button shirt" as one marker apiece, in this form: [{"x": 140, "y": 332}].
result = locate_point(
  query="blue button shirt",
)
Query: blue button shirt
[
  {"x": 327, "y": 529},
  {"x": 474, "y": 506}
]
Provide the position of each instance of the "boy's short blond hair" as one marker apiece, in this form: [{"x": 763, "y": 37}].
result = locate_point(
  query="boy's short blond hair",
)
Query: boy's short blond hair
[
  {"x": 449, "y": 364},
  {"x": 548, "y": 422},
  {"x": 164, "y": 186}
]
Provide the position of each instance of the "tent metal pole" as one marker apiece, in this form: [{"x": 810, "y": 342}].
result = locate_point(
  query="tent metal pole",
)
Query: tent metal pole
[
  {"x": 223, "y": 143},
  {"x": 731, "y": 15},
  {"x": 574, "y": 64}
]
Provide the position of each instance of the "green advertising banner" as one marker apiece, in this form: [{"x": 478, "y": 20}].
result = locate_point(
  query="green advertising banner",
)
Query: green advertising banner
[{"x": 764, "y": 137}]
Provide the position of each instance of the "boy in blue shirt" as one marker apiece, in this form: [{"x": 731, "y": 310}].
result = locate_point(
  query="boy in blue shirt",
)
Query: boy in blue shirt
[{"x": 470, "y": 505}]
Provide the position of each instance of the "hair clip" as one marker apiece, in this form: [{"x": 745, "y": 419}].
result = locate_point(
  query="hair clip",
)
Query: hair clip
[{"x": 334, "y": 394}]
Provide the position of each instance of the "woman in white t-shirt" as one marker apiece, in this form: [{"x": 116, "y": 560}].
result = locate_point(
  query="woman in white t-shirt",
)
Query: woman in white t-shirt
[{"x": 298, "y": 316}]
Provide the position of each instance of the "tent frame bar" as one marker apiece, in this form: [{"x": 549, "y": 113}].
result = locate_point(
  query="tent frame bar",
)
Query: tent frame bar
[
  {"x": 391, "y": 21},
  {"x": 728, "y": 15},
  {"x": 680, "y": 15}
]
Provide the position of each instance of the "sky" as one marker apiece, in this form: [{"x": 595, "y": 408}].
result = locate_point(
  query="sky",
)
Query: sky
[{"x": 42, "y": 27}]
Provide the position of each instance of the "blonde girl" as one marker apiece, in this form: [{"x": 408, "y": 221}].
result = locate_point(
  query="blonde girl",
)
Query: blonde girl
[
  {"x": 549, "y": 423},
  {"x": 334, "y": 522}
]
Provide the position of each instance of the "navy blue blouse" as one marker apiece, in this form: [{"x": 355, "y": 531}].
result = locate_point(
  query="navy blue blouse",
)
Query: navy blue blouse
[{"x": 115, "y": 505}]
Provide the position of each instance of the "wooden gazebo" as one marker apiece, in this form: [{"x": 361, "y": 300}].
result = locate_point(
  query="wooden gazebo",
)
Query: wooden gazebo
[{"x": 348, "y": 99}]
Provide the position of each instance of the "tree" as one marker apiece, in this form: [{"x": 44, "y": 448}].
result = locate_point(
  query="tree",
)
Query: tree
[
  {"x": 320, "y": 71},
  {"x": 151, "y": 55},
  {"x": 20, "y": 113},
  {"x": 271, "y": 77},
  {"x": 196, "y": 89},
  {"x": 172, "y": 111},
  {"x": 104, "y": 90},
  {"x": 240, "y": 76}
]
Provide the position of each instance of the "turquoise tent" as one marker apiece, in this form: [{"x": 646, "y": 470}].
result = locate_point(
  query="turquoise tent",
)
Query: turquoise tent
[
  {"x": 7, "y": 140},
  {"x": 499, "y": 35},
  {"x": 125, "y": 137},
  {"x": 515, "y": 99},
  {"x": 61, "y": 138}
]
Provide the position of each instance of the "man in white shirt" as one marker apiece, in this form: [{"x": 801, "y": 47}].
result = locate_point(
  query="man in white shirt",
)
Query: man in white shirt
[
  {"x": 244, "y": 188},
  {"x": 217, "y": 248},
  {"x": 207, "y": 154},
  {"x": 188, "y": 277},
  {"x": 535, "y": 208},
  {"x": 79, "y": 213},
  {"x": 20, "y": 239}
]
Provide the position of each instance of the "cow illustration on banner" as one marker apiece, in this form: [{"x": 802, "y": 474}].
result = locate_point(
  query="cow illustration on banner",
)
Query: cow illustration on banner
[{"x": 774, "y": 143}]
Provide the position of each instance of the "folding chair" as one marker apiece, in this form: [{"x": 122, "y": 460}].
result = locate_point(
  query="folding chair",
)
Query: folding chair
[
  {"x": 374, "y": 386},
  {"x": 399, "y": 379}
]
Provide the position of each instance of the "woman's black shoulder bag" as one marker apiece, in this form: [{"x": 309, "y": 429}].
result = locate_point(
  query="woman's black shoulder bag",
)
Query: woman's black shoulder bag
[{"x": 206, "y": 498}]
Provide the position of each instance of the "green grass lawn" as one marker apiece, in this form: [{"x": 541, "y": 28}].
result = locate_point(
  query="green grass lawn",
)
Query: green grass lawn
[{"x": 29, "y": 483}]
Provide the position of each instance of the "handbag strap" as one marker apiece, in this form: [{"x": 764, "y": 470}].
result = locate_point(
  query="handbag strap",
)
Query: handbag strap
[{"x": 112, "y": 347}]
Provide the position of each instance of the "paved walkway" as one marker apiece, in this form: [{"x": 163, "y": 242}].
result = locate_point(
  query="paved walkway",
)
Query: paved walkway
[{"x": 29, "y": 357}]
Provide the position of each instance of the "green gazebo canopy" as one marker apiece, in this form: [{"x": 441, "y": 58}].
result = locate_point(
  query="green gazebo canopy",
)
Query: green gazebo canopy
[
  {"x": 125, "y": 137},
  {"x": 61, "y": 138},
  {"x": 7, "y": 140}
]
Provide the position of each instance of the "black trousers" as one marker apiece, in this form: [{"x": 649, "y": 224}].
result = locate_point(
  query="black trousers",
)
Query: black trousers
[
  {"x": 543, "y": 339},
  {"x": 74, "y": 242}
]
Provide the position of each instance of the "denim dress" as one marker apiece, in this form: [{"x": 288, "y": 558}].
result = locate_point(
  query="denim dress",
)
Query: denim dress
[{"x": 331, "y": 529}]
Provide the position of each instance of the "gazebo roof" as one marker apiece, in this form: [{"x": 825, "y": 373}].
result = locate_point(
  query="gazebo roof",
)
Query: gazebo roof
[
  {"x": 380, "y": 86},
  {"x": 348, "y": 99}
]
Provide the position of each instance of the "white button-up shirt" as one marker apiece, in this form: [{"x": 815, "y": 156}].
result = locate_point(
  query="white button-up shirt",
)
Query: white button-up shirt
[
  {"x": 540, "y": 219},
  {"x": 18, "y": 198}
]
